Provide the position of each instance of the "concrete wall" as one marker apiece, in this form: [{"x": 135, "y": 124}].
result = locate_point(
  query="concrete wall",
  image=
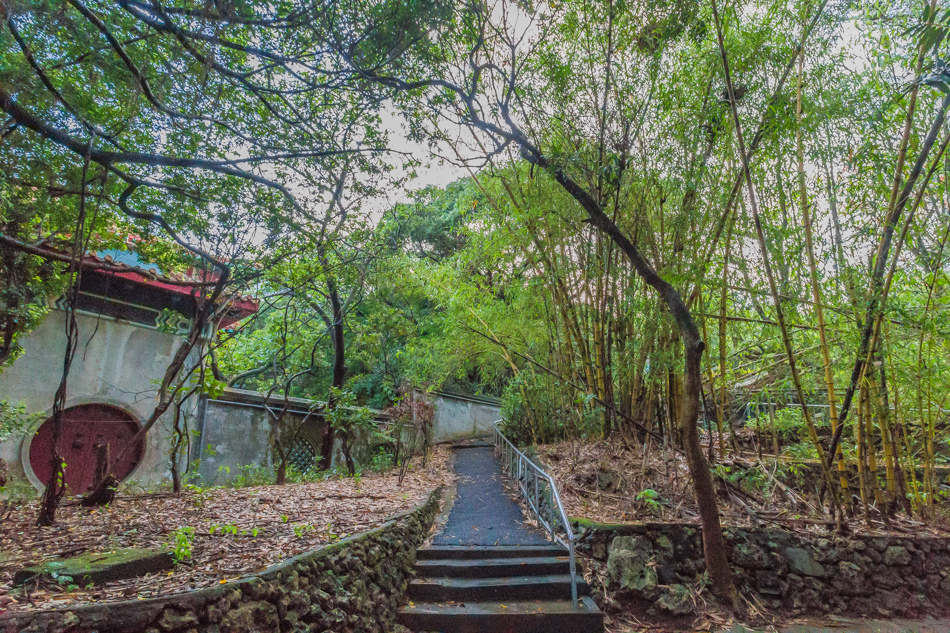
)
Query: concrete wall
[
  {"x": 236, "y": 433},
  {"x": 120, "y": 364},
  {"x": 459, "y": 416},
  {"x": 116, "y": 363}
]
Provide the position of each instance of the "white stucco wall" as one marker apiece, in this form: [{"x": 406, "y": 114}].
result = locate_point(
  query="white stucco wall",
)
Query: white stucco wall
[
  {"x": 458, "y": 416},
  {"x": 116, "y": 363}
]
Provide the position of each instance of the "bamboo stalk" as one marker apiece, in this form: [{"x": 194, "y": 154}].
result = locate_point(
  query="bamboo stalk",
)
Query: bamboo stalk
[
  {"x": 780, "y": 314},
  {"x": 815, "y": 288},
  {"x": 861, "y": 459},
  {"x": 875, "y": 475}
]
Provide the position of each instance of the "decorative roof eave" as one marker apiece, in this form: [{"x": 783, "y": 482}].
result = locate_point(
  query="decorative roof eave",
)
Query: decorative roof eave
[{"x": 241, "y": 306}]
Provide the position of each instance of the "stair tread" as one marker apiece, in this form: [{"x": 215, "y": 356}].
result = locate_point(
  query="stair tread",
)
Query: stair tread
[
  {"x": 481, "y": 552},
  {"x": 515, "y": 607},
  {"x": 503, "y": 581},
  {"x": 521, "y": 616},
  {"x": 493, "y": 562}
]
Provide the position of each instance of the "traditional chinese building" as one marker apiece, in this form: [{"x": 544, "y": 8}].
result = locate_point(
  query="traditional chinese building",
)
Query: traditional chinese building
[{"x": 131, "y": 322}]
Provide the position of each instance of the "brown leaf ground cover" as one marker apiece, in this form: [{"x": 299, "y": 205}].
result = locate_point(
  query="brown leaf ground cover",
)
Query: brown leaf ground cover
[
  {"x": 237, "y": 531},
  {"x": 609, "y": 483}
]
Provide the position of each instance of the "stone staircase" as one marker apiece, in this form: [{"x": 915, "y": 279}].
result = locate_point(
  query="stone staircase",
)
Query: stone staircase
[{"x": 497, "y": 589}]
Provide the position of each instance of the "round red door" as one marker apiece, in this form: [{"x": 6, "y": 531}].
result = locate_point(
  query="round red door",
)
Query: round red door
[{"x": 85, "y": 427}]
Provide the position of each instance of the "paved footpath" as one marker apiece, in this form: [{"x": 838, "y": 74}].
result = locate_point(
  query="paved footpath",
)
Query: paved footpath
[{"x": 483, "y": 513}]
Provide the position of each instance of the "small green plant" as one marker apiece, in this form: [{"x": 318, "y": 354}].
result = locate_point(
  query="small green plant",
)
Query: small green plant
[
  {"x": 752, "y": 478},
  {"x": 311, "y": 475},
  {"x": 284, "y": 518},
  {"x": 650, "y": 499},
  {"x": 302, "y": 529},
  {"x": 199, "y": 496},
  {"x": 62, "y": 579},
  {"x": 181, "y": 541},
  {"x": 251, "y": 475},
  {"x": 192, "y": 475},
  {"x": 802, "y": 451},
  {"x": 382, "y": 460}
]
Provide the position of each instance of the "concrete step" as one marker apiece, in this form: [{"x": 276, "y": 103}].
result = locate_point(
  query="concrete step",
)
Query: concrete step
[
  {"x": 472, "y": 444},
  {"x": 468, "y": 552},
  {"x": 536, "y": 616},
  {"x": 495, "y": 567},
  {"x": 444, "y": 589}
]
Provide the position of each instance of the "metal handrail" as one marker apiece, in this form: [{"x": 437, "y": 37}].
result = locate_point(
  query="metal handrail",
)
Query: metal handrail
[{"x": 530, "y": 477}]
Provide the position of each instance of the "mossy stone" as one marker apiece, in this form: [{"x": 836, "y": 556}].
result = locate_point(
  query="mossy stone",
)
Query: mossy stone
[{"x": 101, "y": 567}]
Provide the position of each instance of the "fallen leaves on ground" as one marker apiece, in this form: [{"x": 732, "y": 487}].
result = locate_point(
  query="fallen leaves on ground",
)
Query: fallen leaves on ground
[
  {"x": 608, "y": 483},
  {"x": 237, "y": 531}
]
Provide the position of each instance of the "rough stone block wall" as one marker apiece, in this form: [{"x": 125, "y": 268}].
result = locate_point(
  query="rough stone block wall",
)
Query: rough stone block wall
[
  {"x": 354, "y": 585},
  {"x": 786, "y": 571}
]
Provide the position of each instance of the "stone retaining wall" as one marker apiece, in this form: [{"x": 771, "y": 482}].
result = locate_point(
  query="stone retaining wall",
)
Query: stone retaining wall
[
  {"x": 353, "y": 585},
  {"x": 787, "y": 572}
]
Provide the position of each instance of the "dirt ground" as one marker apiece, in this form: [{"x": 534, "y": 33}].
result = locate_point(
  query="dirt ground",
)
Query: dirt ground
[
  {"x": 236, "y": 531},
  {"x": 608, "y": 483}
]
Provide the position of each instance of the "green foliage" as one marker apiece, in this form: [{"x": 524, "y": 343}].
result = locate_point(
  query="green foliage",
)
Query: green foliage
[
  {"x": 932, "y": 30},
  {"x": 223, "y": 529},
  {"x": 750, "y": 479},
  {"x": 346, "y": 417},
  {"x": 26, "y": 281},
  {"x": 63, "y": 579},
  {"x": 382, "y": 460},
  {"x": 181, "y": 541},
  {"x": 14, "y": 420},
  {"x": 801, "y": 450},
  {"x": 250, "y": 475},
  {"x": 499, "y": 283},
  {"x": 330, "y": 535},
  {"x": 302, "y": 529},
  {"x": 789, "y": 423},
  {"x": 650, "y": 499},
  {"x": 232, "y": 530},
  {"x": 539, "y": 409}
]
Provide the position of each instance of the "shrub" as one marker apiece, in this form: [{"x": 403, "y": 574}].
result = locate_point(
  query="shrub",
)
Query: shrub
[{"x": 540, "y": 409}]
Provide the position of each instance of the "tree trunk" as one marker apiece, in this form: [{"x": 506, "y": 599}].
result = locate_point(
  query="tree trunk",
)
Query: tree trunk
[
  {"x": 347, "y": 453},
  {"x": 339, "y": 367},
  {"x": 714, "y": 547}
]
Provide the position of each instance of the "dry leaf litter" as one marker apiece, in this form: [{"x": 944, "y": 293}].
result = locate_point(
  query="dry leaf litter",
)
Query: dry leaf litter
[
  {"x": 609, "y": 483},
  {"x": 237, "y": 531}
]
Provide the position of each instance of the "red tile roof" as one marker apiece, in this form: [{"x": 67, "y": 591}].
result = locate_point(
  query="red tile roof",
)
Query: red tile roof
[{"x": 242, "y": 306}]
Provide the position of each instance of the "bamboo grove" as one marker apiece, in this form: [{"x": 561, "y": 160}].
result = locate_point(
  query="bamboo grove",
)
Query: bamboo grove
[{"x": 799, "y": 204}]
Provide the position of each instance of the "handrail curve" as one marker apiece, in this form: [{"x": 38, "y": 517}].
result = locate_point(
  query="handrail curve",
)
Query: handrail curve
[{"x": 531, "y": 484}]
